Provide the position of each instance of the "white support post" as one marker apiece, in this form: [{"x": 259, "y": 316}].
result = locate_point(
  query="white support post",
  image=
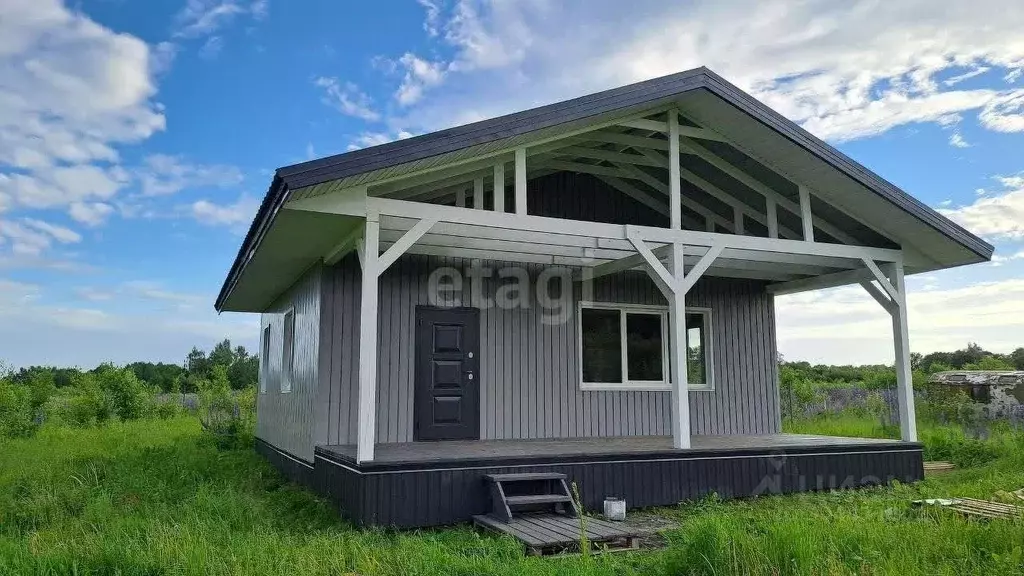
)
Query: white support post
[
  {"x": 499, "y": 187},
  {"x": 805, "y": 214},
  {"x": 709, "y": 224},
  {"x": 737, "y": 219},
  {"x": 460, "y": 197},
  {"x": 674, "y": 187},
  {"x": 478, "y": 194},
  {"x": 521, "y": 181},
  {"x": 677, "y": 361},
  {"x": 901, "y": 338},
  {"x": 772, "y": 216},
  {"x": 365, "y": 434}
]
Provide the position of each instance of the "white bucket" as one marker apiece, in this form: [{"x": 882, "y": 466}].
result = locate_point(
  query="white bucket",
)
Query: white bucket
[{"x": 615, "y": 508}]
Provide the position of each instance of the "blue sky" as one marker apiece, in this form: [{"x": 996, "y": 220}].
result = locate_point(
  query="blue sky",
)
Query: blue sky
[{"x": 136, "y": 139}]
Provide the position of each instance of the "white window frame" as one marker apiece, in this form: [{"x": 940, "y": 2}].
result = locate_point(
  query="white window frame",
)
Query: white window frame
[
  {"x": 626, "y": 384},
  {"x": 265, "y": 358},
  {"x": 287, "y": 352}
]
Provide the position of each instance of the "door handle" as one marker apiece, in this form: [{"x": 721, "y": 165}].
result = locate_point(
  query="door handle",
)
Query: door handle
[{"x": 470, "y": 375}]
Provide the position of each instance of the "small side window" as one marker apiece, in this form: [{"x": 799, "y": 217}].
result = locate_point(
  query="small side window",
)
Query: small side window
[
  {"x": 288, "y": 352},
  {"x": 265, "y": 361}
]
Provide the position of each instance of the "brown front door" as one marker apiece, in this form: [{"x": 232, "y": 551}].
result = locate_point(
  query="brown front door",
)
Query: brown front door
[{"x": 447, "y": 403}]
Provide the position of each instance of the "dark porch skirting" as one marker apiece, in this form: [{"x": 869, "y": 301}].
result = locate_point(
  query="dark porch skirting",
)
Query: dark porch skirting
[{"x": 431, "y": 484}]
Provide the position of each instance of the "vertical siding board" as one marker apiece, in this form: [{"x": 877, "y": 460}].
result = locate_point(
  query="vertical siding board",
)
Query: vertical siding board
[
  {"x": 740, "y": 420},
  {"x": 286, "y": 420},
  {"x": 529, "y": 370}
]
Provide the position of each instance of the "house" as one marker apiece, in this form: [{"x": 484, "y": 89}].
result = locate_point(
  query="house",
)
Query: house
[{"x": 586, "y": 288}]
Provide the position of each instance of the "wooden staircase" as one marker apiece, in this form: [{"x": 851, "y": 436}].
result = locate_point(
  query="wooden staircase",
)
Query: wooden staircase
[
  {"x": 538, "y": 509},
  {"x": 533, "y": 493}
]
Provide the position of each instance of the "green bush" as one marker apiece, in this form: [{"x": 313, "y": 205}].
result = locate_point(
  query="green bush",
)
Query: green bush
[
  {"x": 129, "y": 397},
  {"x": 17, "y": 418},
  {"x": 168, "y": 409},
  {"x": 107, "y": 393},
  {"x": 86, "y": 404},
  {"x": 227, "y": 415}
]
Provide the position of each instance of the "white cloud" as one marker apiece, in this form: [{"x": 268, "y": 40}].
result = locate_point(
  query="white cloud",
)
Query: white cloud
[
  {"x": 433, "y": 18},
  {"x": 954, "y": 80},
  {"x": 60, "y": 186},
  {"x": 845, "y": 325},
  {"x": 90, "y": 213},
  {"x": 211, "y": 48},
  {"x": 1005, "y": 113},
  {"x": 347, "y": 99},
  {"x": 420, "y": 74},
  {"x": 233, "y": 215},
  {"x": 164, "y": 174},
  {"x": 30, "y": 237},
  {"x": 72, "y": 89},
  {"x": 999, "y": 215},
  {"x": 37, "y": 330},
  {"x": 94, "y": 294},
  {"x": 151, "y": 290},
  {"x": 59, "y": 233},
  {"x": 957, "y": 141},
  {"x": 843, "y": 70},
  {"x": 367, "y": 139},
  {"x": 999, "y": 260},
  {"x": 202, "y": 17}
]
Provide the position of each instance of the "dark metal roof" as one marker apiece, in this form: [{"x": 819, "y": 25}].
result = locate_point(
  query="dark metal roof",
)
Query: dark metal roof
[{"x": 646, "y": 93}]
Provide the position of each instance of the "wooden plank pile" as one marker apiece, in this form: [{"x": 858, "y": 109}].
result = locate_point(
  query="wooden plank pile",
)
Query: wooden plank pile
[{"x": 974, "y": 508}]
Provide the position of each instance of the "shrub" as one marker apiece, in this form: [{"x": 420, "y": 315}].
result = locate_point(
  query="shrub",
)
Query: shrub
[
  {"x": 167, "y": 409},
  {"x": 129, "y": 397},
  {"x": 989, "y": 363},
  {"x": 17, "y": 418},
  {"x": 226, "y": 415},
  {"x": 86, "y": 404}
]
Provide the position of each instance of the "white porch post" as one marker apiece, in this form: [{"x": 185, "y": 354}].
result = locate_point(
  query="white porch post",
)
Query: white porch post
[
  {"x": 674, "y": 185},
  {"x": 805, "y": 214},
  {"x": 365, "y": 435},
  {"x": 499, "y": 187},
  {"x": 520, "y": 181},
  {"x": 901, "y": 338},
  {"x": 677, "y": 340},
  {"x": 478, "y": 194}
]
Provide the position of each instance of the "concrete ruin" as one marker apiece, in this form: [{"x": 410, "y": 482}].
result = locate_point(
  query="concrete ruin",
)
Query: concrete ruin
[{"x": 999, "y": 391}]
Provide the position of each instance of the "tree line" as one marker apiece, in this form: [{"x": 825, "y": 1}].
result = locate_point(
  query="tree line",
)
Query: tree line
[
  {"x": 242, "y": 370},
  {"x": 880, "y": 376}
]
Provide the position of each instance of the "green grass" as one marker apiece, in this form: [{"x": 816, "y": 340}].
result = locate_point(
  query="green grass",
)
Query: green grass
[{"x": 157, "y": 497}]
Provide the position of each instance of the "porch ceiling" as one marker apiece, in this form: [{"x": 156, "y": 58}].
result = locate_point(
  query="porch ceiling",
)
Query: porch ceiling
[{"x": 466, "y": 240}]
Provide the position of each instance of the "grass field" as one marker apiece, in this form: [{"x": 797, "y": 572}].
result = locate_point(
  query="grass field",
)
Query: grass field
[{"x": 157, "y": 497}]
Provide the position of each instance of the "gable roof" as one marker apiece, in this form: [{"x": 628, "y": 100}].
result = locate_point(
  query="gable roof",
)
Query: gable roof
[{"x": 511, "y": 128}]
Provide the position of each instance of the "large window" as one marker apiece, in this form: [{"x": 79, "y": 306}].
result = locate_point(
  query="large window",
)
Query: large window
[
  {"x": 288, "y": 352},
  {"x": 265, "y": 360},
  {"x": 626, "y": 347}
]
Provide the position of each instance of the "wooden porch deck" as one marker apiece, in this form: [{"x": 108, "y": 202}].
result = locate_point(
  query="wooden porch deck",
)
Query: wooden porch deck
[
  {"x": 436, "y": 483},
  {"x": 568, "y": 449}
]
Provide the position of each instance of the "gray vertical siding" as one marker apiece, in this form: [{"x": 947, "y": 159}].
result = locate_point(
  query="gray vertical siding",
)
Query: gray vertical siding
[
  {"x": 287, "y": 420},
  {"x": 336, "y": 418},
  {"x": 529, "y": 374}
]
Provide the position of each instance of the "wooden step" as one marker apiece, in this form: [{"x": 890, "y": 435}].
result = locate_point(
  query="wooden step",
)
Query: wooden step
[
  {"x": 526, "y": 477},
  {"x": 537, "y": 499}
]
